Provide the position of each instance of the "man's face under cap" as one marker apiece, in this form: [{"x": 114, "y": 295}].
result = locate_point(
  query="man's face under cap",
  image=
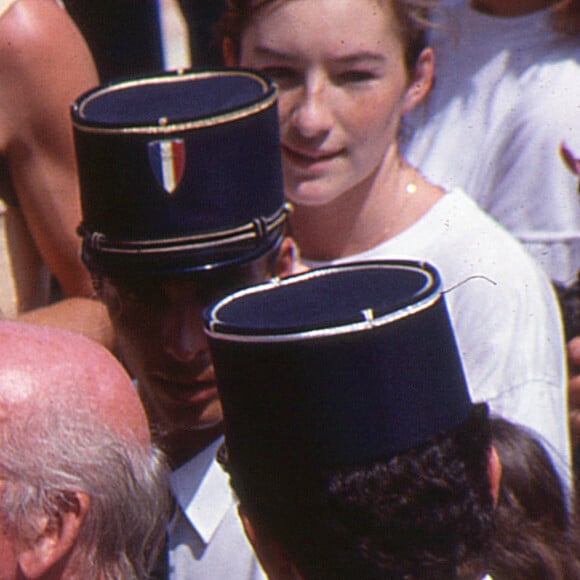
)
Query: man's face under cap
[{"x": 158, "y": 323}]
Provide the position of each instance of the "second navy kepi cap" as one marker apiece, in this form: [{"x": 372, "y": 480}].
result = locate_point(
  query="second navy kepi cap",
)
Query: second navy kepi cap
[
  {"x": 339, "y": 366},
  {"x": 179, "y": 172}
]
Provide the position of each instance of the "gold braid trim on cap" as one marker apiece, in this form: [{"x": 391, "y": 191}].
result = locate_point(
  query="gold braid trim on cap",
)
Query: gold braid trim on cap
[
  {"x": 257, "y": 229},
  {"x": 164, "y": 126}
]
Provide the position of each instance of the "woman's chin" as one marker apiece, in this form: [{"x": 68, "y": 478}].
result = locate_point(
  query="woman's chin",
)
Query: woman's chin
[{"x": 315, "y": 193}]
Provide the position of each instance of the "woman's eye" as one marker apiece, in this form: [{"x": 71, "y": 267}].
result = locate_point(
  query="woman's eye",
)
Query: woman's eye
[
  {"x": 355, "y": 76},
  {"x": 278, "y": 71},
  {"x": 281, "y": 75}
]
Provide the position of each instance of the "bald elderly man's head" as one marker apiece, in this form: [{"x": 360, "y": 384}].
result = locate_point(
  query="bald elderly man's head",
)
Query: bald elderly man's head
[
  {"x": 82, "y": 490},
  {"x": 43, "y": 367}
]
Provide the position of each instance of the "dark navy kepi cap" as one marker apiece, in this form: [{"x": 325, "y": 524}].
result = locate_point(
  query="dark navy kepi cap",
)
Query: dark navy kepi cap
[
  {"x": 179, "y": 172},
  {"x": 339, "y": 366}
]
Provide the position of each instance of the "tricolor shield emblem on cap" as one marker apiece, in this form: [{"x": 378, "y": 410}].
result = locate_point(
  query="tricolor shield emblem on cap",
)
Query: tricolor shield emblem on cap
[{"x": 167, "y": 160}]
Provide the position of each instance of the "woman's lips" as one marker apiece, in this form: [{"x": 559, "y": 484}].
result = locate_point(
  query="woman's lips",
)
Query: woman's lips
[{"x": 309, "y": 157}]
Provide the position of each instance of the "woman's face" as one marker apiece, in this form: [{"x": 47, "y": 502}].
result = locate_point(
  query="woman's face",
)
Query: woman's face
[{"x": 343, "y": 85}]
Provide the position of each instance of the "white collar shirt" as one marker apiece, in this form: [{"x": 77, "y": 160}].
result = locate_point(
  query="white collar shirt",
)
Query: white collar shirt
[{"x": 206, "y": 538}]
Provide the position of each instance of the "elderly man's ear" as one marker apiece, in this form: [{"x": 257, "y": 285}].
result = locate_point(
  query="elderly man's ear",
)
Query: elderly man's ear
[{"x": 52, "y": 549}]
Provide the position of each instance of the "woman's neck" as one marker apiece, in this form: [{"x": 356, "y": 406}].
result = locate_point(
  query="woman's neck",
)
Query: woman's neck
[
  {"x": 509, "y": 8},
  {"x": 358, "y": 220}
]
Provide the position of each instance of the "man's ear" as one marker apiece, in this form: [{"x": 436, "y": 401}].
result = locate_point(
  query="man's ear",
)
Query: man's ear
[
  {"x": 494, "y": 473},
  {"x": 55, "y": 543},
  {"x": 421, "y": 80},
  {"x": 229, "y": 52},
  {"x": 288, "y": 261},
  {"x": 272, "y": 557}
]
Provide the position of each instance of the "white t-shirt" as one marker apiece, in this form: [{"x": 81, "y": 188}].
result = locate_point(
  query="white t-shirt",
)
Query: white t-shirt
[
  {"x": 206, "y": 537},
  {"x": 503, "y": 311},
  {"x": 506, "y": 94}
]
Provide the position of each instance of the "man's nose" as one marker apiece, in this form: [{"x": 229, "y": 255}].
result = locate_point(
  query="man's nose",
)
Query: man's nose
[{"x": 183, "y": 336}]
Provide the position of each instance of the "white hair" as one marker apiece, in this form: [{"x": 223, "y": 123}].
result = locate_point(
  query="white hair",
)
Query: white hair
[{"x": 48, "y": 455}]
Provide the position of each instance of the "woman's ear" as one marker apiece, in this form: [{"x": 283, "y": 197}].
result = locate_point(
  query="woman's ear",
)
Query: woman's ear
[{"x": 421, "y": 80}]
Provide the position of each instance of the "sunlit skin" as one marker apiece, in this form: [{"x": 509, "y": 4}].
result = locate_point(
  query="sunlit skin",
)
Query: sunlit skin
[
  {"x": 8, "y": 554},
  {"x": 343, "y": 91},
  {"x": 161, "y": 341}
]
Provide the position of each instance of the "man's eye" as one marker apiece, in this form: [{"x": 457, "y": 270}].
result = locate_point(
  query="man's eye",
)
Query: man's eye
[
  {"x": 212, "y": 293},
  {"x": 131, "y": 296},
  {"x": 142, "y": 296}
]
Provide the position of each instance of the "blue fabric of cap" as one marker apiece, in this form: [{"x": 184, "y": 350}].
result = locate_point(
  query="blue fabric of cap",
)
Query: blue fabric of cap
[
  {"x": 179, "y": 172},
  {"x": 338, "y": 366}
]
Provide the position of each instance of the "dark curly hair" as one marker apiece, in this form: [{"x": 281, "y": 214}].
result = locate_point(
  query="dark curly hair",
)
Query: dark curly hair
[
  {"x": 427, "y": 513},
  {"x": 413, "y": 17}
]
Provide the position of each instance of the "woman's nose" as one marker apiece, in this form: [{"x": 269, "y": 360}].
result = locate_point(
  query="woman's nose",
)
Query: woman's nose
[{"x": 311, "y": 115}]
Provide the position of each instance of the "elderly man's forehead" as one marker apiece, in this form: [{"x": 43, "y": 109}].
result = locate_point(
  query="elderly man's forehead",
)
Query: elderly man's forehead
[
  {"x": 17, "y": 385},
  {"x": 44, "y": 367},
  {"x": 32, "y": 356},
  {"x": 35, "y": 356}
]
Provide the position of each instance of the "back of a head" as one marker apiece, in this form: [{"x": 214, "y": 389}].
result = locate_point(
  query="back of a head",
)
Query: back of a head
[
  {"x": 71, "y": 423},
  {"x": 426, "y": 513},
  {"x": 536, "y": 535},
  {"x": 352, "y": 441}
]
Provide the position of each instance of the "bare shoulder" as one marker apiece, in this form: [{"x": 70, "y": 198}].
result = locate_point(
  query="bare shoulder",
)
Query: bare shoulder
[
  {"x": 45, "y": 64},
  {"x": 34, "y": 25},
  {"x": 39, "y": 40}
]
